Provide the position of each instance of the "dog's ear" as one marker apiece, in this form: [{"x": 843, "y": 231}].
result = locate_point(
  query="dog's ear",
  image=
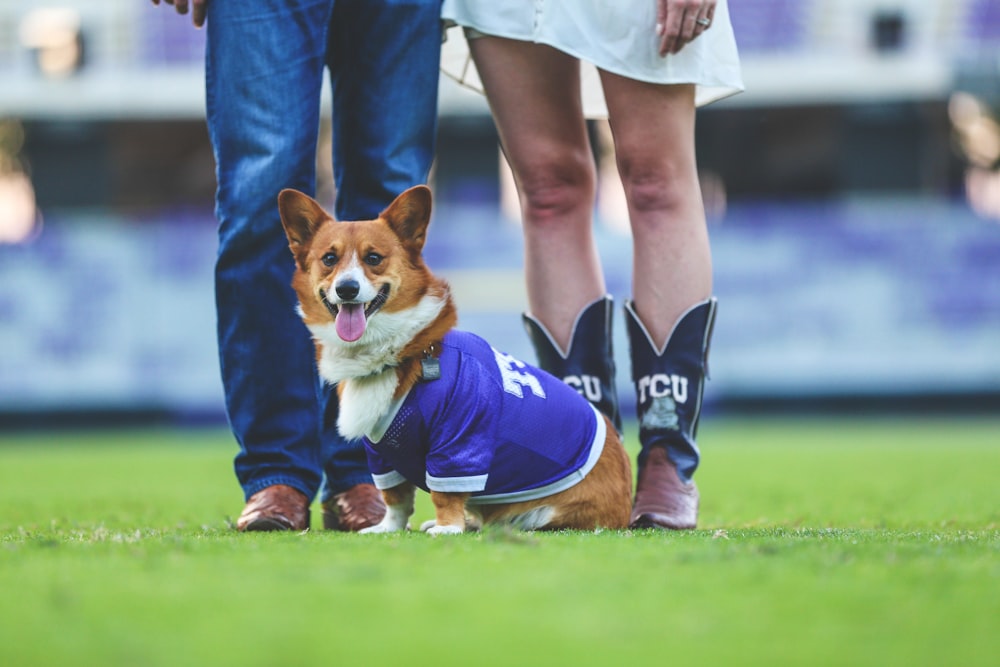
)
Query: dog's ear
[
  {"x": 301, "y": 216},
  {"x": 409, "y": 215}
]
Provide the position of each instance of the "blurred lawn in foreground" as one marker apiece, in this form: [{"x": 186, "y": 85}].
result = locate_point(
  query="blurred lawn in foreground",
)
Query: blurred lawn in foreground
[{"x": 822, "y": 542}]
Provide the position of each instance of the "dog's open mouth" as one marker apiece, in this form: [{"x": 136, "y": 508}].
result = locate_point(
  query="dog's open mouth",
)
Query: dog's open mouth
[{"x": 351, "y": 318}]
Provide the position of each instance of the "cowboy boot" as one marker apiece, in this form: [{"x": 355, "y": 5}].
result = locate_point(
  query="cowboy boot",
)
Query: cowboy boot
[
  {"x": 669, "y": 383},
  {"x": 589, "y": 364}
]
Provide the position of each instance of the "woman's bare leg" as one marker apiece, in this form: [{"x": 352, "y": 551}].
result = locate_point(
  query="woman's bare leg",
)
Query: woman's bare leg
[
  {"x": 534, "y": 95},
  {"x": 653, "y": 128}
]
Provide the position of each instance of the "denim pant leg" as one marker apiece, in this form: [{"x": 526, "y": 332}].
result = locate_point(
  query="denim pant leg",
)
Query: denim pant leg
[
  {"x": 383, "y": 58},
  {"x": 264, "y": 69}
]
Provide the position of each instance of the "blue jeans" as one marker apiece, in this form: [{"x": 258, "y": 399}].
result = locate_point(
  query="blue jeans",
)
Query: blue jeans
[{"x": 265, "y": 64}]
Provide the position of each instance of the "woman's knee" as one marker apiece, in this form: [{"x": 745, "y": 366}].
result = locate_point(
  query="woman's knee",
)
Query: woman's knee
[
  {"x": 657, "y": 184},
  {"x": 553, "y": 190}
]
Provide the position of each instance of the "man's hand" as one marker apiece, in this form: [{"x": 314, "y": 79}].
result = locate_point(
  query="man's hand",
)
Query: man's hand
[
  {"x": 198, "y": 8},
  {"x": 677, "y": 22}
]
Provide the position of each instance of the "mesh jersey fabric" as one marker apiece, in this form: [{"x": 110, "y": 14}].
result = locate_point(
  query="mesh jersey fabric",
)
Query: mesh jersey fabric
[{"x": 491, "y": 425}]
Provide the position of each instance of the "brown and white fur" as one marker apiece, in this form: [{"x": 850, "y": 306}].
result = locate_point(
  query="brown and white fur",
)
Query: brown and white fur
[{"x": 374, "y": 309}]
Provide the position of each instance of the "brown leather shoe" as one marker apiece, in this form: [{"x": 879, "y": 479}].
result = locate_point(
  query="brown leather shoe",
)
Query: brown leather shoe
[
  {"x": 277, "y": 507},
  {"x": 359, "y": 507},
  {"x": 662, "y": 500}
]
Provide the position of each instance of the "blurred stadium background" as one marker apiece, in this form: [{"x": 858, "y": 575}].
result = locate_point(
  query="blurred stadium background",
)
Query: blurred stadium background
[{"x": 853, "y": 194}]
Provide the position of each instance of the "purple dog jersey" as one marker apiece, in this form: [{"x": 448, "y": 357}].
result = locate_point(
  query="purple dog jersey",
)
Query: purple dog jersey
[{"x": 491, "y": 426}]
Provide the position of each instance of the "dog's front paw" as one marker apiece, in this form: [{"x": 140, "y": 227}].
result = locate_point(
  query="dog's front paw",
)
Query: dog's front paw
[
  {"x": 396, "y": 518},
  {"x": 376, "y": 529},
  {"x": 444, "y": 530},
  {"x": 384, "y": 527}
]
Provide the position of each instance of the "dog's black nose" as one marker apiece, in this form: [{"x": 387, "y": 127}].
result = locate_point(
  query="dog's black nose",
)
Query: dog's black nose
[{"x": 348, "y": 289}]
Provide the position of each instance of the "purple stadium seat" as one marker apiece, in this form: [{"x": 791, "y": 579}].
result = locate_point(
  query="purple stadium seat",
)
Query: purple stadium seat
[
  {"x": 769, "y": 25},
  {"x": 168, "y": 39},
  {"x": 982, "y": 23}
]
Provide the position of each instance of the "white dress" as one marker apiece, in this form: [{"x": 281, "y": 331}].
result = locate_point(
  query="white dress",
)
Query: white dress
[{"x": 618, "y": 36}]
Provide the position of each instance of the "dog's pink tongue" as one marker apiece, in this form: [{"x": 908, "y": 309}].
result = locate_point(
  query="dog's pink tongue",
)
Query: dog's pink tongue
[{"x": 351, "y": 321}]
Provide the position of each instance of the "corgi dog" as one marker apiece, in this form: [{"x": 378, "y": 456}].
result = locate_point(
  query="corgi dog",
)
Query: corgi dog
[{"x": 492, "y": 439}]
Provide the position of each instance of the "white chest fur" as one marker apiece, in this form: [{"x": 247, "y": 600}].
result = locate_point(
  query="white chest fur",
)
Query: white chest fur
[
  {"x": 367, "y": 367},
  {"x": 364, "y": 402}
]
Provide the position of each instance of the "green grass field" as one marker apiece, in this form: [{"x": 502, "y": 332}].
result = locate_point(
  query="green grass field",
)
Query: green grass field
[{"x": 833, "y": 542}]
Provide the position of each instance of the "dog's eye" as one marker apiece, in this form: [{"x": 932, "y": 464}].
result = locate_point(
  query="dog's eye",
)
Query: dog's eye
[
  {"x": 373, "y": 259},
  {"x": 329, "y": 259}
]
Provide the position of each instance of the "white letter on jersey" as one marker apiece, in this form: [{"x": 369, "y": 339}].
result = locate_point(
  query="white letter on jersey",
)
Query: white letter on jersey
[{"x": 514, "y": 379}]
